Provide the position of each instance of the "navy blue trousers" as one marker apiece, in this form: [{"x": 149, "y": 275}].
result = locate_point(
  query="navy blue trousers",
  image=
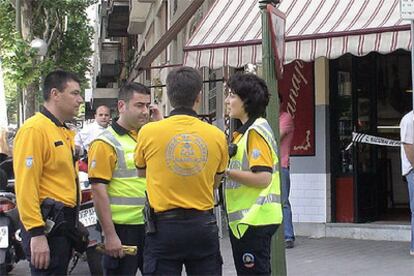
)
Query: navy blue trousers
[
  {"x": 192, "y": 242},
  {"x": 128, "y": 265},
  {"x": 251, "y": 253},
  {"x": 59, "y": 245}
]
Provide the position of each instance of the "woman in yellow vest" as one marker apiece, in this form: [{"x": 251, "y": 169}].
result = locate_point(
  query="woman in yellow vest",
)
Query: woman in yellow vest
[{"x": 252, "y": 188}]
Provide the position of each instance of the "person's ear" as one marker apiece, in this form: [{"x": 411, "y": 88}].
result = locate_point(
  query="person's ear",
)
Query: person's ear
[
  {"x": 121, "y": 106},
  {"x": 198, "y": 99},
  {"x": 54, "y": 93}
]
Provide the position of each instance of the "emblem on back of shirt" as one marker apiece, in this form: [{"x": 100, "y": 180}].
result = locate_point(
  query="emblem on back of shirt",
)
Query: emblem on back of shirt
[
  {"x": 29, "y": 162},
  {"x": 93, "y": 164},
  {"x": 186, "y": 154}
]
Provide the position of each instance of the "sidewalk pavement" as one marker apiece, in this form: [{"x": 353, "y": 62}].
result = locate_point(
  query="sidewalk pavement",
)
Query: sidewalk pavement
[
  {"x": 319, "y": 257},
  {"x": 334, "y": 256}
]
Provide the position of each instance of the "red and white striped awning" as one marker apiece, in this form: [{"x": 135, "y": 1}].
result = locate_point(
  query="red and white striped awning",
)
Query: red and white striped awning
[{"x": 230, "y": 33}]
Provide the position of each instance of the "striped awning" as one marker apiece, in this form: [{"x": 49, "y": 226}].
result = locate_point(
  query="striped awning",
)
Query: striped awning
[{"x": 230, "y": 33}]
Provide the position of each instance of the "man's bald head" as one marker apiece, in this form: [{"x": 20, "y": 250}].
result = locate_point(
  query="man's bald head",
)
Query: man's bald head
[{"x": 103, "y": 115}]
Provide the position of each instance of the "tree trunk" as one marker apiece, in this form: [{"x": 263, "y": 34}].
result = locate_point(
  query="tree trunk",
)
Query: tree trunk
[
  {"x": 30, "y": 99},
  {"x": 27, "y": 19},
  {"x": 3, "y": 105},
  {"x": 29, "y": 93}
]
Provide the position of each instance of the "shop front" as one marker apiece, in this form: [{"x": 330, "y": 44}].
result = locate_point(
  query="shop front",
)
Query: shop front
[
  {"x": 369, "y": 95},
  {"x": 344, "y": 72}
]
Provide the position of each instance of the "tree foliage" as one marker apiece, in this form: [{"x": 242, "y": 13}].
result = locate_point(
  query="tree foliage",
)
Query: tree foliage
[
  {"x": 15, "y": 53},
  {"x": 63, "y": 24}
]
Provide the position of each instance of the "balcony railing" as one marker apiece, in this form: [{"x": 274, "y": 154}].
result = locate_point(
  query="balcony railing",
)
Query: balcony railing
[{"x": 118, "y": 14}]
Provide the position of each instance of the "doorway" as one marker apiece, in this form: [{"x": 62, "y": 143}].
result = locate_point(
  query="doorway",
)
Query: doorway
[{"x": 368, "y": 96}]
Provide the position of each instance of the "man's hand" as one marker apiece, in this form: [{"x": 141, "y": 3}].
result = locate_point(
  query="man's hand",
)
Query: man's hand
[
  {"x": 40, "y": 253},
  {"x": 409, "y": 152},
  {"x": 113, "y": 246},
  {"x": 155, "y": 113}
]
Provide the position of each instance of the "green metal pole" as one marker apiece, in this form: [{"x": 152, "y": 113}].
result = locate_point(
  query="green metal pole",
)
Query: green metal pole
[{"x": 278, "y": 258}]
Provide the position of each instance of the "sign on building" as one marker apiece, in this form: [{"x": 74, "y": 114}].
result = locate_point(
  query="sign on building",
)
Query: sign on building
[
  {"x": 407, "y": 9},
  {"x": 297, "y": 90},
  {"x": 277, "y": 21}
]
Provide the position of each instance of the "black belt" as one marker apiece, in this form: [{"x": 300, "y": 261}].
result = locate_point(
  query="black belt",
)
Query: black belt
[{"x": 180, "y": 213}]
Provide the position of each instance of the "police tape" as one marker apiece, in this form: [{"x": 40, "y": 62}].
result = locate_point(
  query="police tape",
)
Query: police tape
[{"x": 373, "y": 140}]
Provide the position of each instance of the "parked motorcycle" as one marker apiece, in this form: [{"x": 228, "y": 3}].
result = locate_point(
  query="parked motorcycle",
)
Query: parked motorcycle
[{"x": 11, "y": 250}]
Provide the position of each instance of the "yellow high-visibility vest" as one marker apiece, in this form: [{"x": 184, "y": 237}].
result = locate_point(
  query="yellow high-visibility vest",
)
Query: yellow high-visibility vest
[
  {"x": 250, "y": 205},
  {"x": 126, "y": 190}
]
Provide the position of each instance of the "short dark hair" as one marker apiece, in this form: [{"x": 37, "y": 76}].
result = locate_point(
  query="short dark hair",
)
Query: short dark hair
[
  {"x": 57, "y": 79},
  {"x": 253, "y": 91},
  {"x": 183, "y": 86},
  {"x": 126, "y": 91}
]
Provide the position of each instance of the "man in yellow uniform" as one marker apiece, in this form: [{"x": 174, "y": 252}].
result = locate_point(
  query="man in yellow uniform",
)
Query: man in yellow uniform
[
  {"x": 45, "y": 172},
  {"x": 118, "y": 193},
  {"x": 183, "y": 159}
]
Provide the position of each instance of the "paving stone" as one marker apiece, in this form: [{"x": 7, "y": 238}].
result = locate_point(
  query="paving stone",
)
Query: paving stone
[{"x": 335, "y": 256}]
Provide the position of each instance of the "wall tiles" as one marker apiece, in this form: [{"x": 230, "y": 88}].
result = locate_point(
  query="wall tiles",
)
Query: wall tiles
[{"x": 308, "y": 197}]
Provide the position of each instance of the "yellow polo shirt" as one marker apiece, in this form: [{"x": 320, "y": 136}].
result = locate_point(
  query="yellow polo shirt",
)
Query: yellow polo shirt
[
  {"x": 181, "y": 155},
  {"x": 44, "y": 167},
  {"x": 258, "y": 151}
]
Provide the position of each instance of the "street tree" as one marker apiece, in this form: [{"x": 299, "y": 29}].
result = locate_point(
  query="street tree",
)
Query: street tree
[{"x": 62, "y": 24}]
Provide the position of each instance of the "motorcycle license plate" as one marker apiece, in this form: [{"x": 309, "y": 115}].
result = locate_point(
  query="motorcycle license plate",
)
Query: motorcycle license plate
[
  {"x": 4, "y": 237},
  {"x": 87, "y": 216}
]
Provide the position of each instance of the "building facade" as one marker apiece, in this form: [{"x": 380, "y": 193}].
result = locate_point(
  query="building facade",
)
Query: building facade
[{"x": 346, "y": 71}]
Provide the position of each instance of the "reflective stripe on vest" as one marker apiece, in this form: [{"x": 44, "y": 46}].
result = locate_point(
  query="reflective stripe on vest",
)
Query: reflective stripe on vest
[
  {"x": 126, "y": 191},
  {"x": 249, "y": 205},
  {"x": 125, "y": 173},
  {"x": 265, "y": 130},
  {"x": 260, "y": 201},
  {"x": 127, "y": 200},
  {"x": 118, "y": 148}
]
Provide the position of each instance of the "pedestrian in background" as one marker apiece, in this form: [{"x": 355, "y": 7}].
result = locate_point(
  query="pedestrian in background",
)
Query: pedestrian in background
[
  {"x": 118, "y": 194},
  {"x": 43, "y": 160},
  {"x": 89, "y": 132},
  {"x": 6, "y": 168},
  {"x": 407, "y": 162},
  {"x": 4, "y": 146},
  {"x": 286, "y": 127},
  {"x": 183, "y": 159},
  {"x": 252, "y": 190}
]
